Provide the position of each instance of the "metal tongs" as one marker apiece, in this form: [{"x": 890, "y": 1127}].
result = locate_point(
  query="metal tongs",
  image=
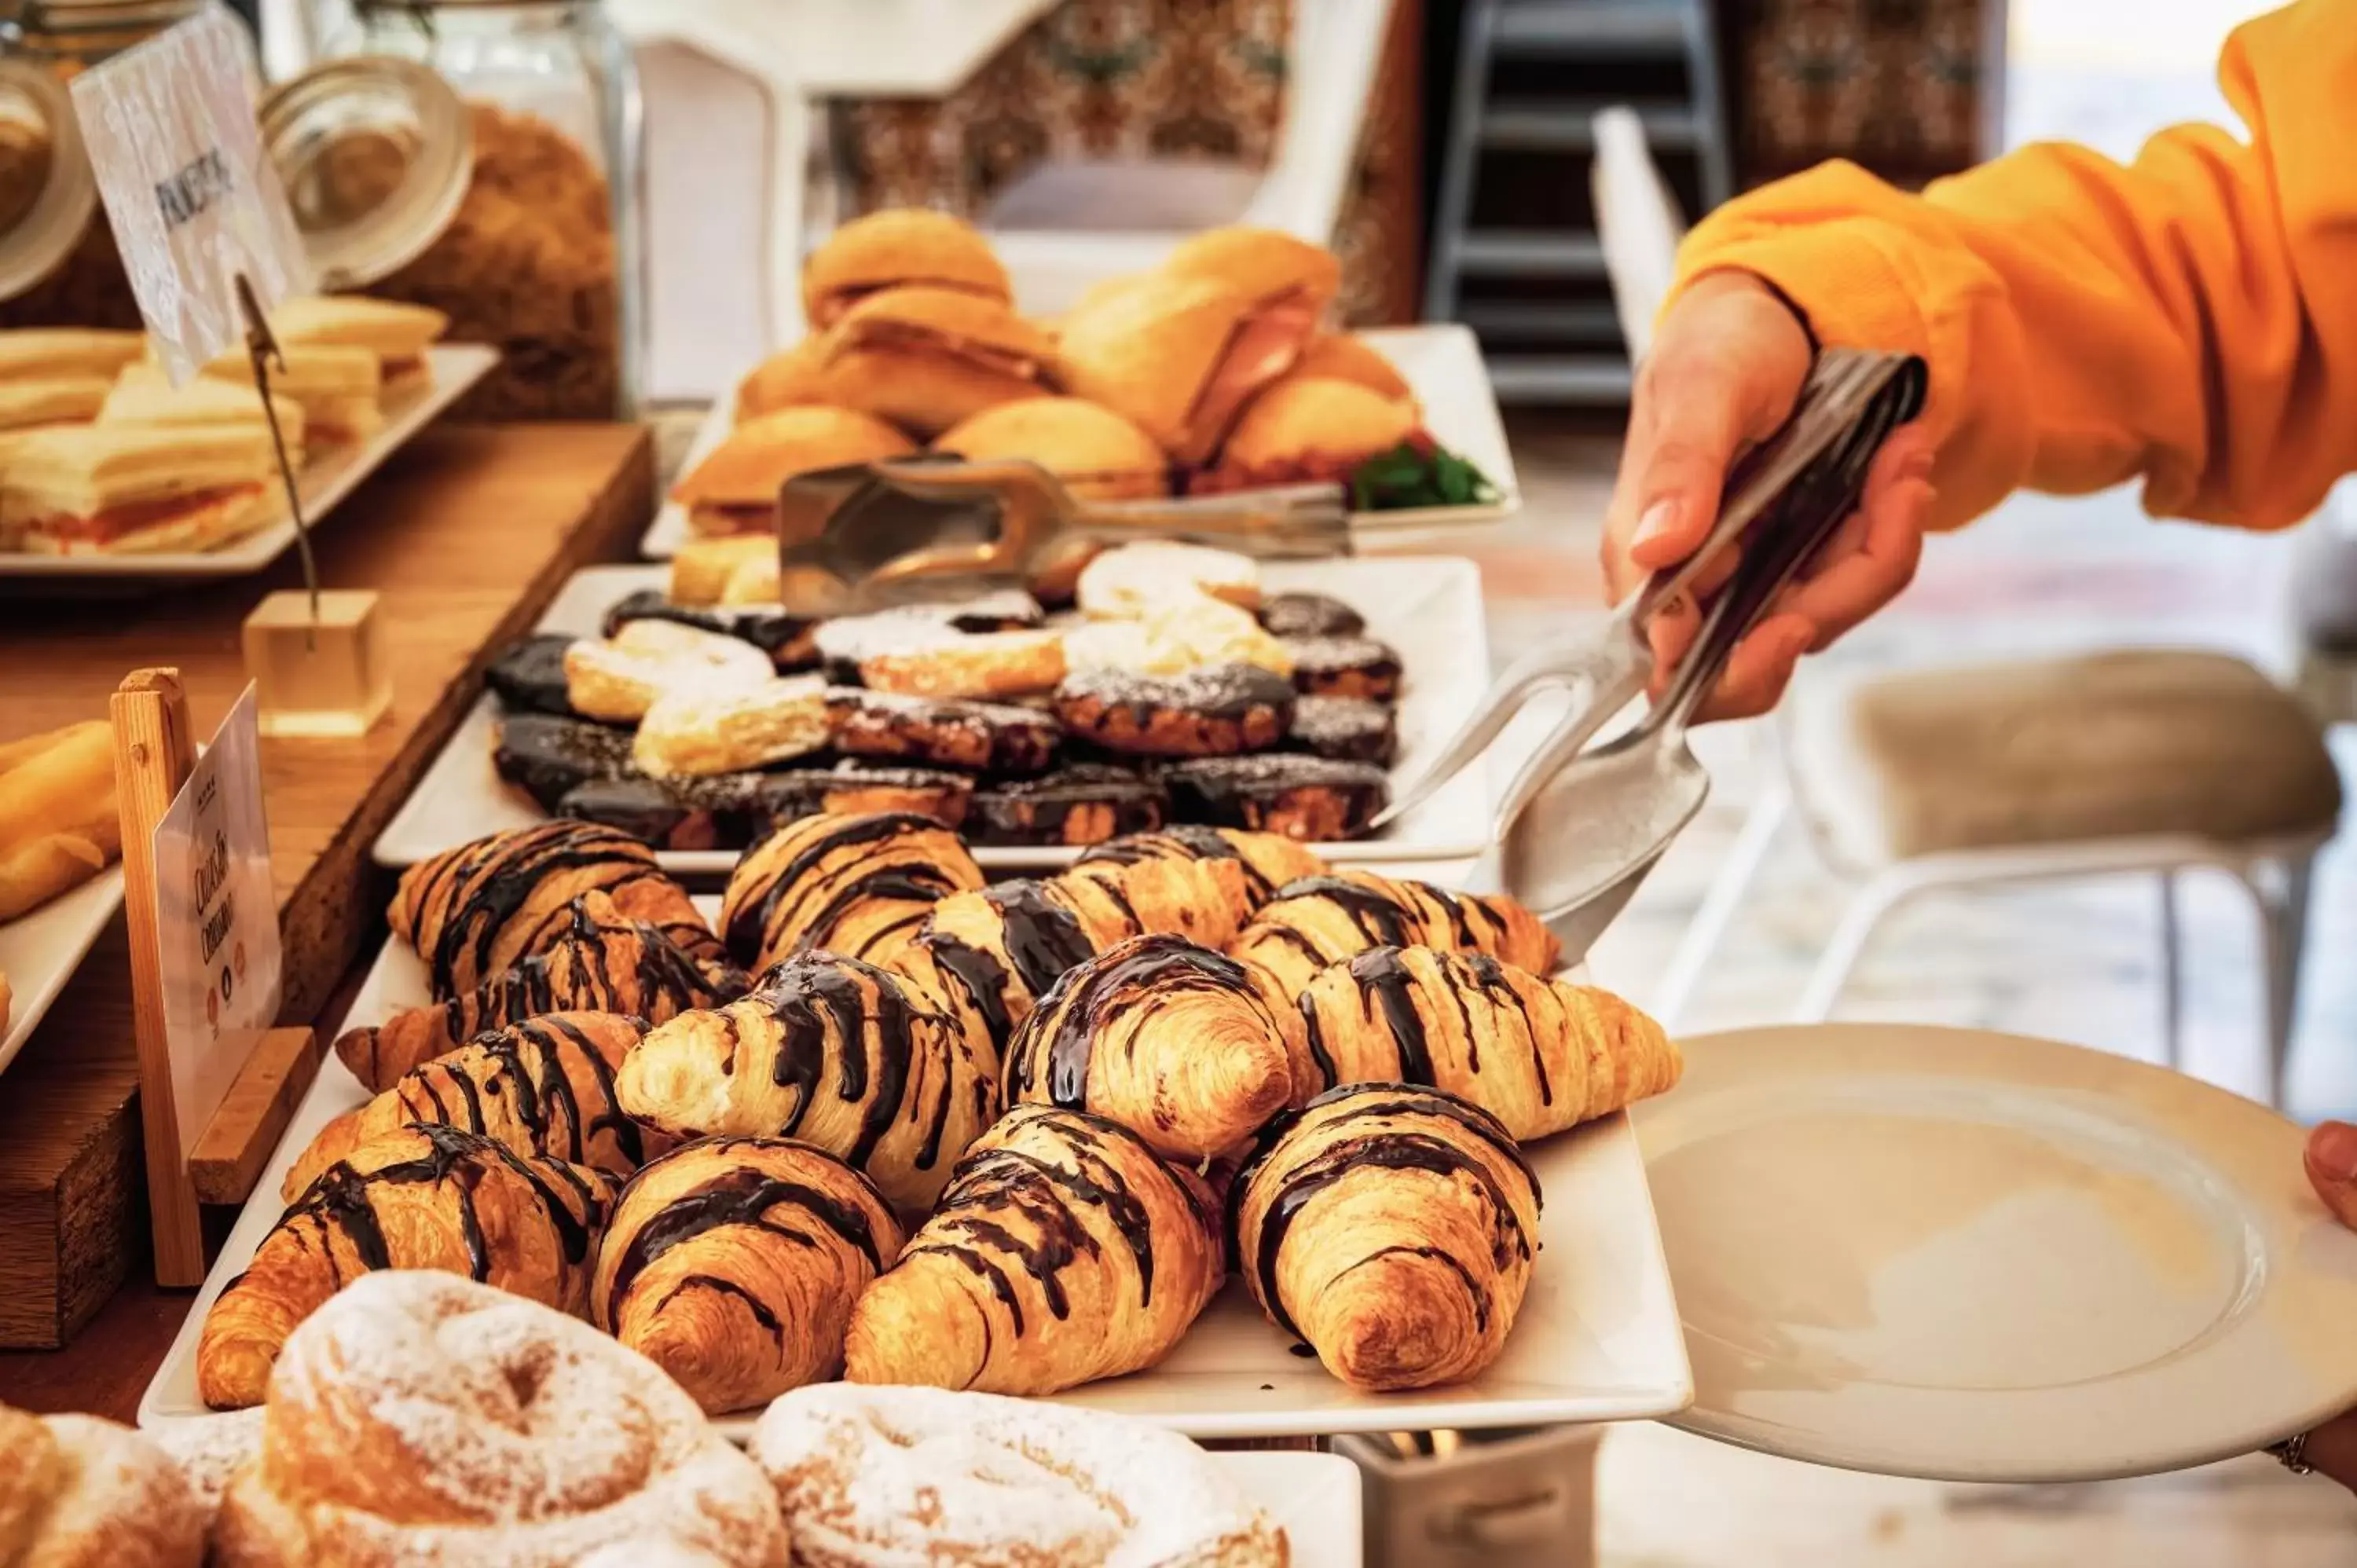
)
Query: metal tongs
[
  {"x": 872, "y": 535},
  {"x": 1577, "y": 830}
]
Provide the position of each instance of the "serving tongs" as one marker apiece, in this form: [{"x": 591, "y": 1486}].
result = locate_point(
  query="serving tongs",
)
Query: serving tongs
[
  {"x": 869, "y": 536},
  {"x": 1577, "y": 830}
]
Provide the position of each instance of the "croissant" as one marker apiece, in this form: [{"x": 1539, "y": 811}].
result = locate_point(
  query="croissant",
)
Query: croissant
[
  {"x": 474, "y": 912},
  {"x": 1174, "y": 1041},
  {"x": 1063, "y": 1250},
  {"x": 425, "y": 1197},
  {"x": 1249, "y": 866},
  {"x": 603, "y": 962},
  {"x": 1392, "y": 1227},
  {"x": 833, "y": 1051},
  {"x": 990, "y": 955},
  {"x": 541, "y": 1087},
  {"x": 1539, "y": 1055},
  {"x": 732, "y": 1264},
  {"x": 1322, "y": 920},
  {"x": 859, "y": 886}
]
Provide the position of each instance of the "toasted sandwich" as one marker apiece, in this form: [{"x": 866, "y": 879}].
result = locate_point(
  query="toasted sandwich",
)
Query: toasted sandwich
[
  {"x": 398, "y": 334},
  {"x": 893, "y": 249},
  {"x": 29, "y": 402},
  {"x": 735, "y": 488},
  {"x": 144, "y": 394},
  {"x": 1347, "y": 357},
  {"x": 1095, "y": 452},
  {"x": 925, "y": 358},
  {"x": 1306, "y": 430},
  {"x": 1177, "y": 356},
  {"x": 54, "y": 352},
  {"x": 340, "y": 388},
  {"x": 101, "y": 489}
]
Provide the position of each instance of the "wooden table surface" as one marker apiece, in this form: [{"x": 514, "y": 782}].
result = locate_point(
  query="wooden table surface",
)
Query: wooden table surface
[{"x": 465, "y": 536}]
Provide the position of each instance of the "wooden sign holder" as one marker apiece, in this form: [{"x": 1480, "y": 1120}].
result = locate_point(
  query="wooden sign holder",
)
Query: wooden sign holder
[{"x": 155, "y": 749}]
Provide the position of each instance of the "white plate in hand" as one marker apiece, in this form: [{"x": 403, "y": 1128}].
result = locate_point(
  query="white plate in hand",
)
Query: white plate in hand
[
  {"x": 1967, "y": 1256},
  {"x": 1597, "y": 1339},
  {"x": 1426, "y": 608}
]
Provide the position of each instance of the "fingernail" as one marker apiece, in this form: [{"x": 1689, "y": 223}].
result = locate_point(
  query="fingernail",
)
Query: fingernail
[
  {"x": 1660, "y": 519},
  {"x": 1917, "y": 465},
  {"x": 2332, "y": 1151}
]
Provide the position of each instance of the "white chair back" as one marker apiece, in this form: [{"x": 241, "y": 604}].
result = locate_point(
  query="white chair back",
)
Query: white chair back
[
  {"x": 1336, "y": 49},
  {"x": 1638, "y": 223}
]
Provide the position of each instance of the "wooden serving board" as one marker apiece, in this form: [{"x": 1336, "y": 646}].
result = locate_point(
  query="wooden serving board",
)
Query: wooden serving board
[{"x": 466, "y": 536}]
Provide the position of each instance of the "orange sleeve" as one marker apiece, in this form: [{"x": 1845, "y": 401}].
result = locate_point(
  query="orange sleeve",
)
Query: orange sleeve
[{"x": 2190, "y": 318}]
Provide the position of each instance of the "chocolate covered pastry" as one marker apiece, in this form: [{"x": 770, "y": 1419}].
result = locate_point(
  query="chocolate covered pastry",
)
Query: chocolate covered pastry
[
  {"x": 1085, "y": 804},
  {"x": 1344, "y": 667},
  {"x": 982, "y": 737},
  {"x": 1345, "y": 729},
  {"x": 1309, "y": 615},
  {"x": 529, "y": 676},
  {"x": 548, "y": 758},
  {"x": 1213, "y": 712},
  {"x": 1314, "y": 798}
]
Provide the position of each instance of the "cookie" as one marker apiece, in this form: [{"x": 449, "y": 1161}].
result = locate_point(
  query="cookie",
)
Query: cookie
[
  {"x": 1313, "y": 799},
  {"x": 1214, "y": 712},
  {"x": 843, "y": 643},
  {"x": 695, "y": 732},
  {"x": 529, "y": 676},
  {"x": 1344, "y": 667},
  {"x": 789, "y": 641},
  {"x": 1085, "y": 804},
  {"x": 972, "y": 664},
  {"x": 1125, "y": 582},
  {"x": 546, "y": 756},
  {"x": 1309, "y": 615},
  {"x": 1347, "y": 729},
  {"x": 981, "y": 738},
  {"x": 620, "y": 679}
]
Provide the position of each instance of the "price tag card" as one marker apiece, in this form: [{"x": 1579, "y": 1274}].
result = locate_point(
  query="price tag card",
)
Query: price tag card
[
  {"x": 194, "y": 203},
  {"x": 216, "y": 921}
]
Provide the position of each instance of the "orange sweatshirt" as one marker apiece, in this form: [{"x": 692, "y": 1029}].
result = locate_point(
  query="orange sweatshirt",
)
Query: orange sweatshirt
[{"x": 2190, "y": 318}]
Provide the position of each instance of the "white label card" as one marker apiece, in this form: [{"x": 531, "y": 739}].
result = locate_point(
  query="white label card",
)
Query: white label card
[
  {"x": 193, "y": 200},
  {"x": 216, "y": 921}
]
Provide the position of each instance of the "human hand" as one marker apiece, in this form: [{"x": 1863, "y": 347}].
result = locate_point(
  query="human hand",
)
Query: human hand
[
  {"x": 2333, "y": 1170},
  {"x": 1723, "y": 372}
]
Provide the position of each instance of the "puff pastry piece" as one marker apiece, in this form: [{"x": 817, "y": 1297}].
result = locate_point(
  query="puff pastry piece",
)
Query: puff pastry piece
[
  {"x": 732, "y": 1264},
  {"x": 425, "y": 1197},
  {"x": 475, "y": 912},
  {"x": 602, "y": 963},
  {"x": 1063, "y": 1250},
  {"x": 620, "y": 679},
  {"x": 541, "y": 1087},
  {"x": 80, "y": 1492},
  {"x": 1174, "y": 1041},
  {"x": 859, "y": 886},
  {"x": 833, "y": 1051},
  {"x": 1321, "y": 920},
  {"x": 1392, "y": 1227},
  {"x": 1249, "y": 866},
  {"x": 1539, "y": 1055}
]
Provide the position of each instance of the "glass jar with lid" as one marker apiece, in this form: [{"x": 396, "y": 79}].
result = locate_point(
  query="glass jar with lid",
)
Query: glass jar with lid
[{"x": 481, "y": 157}]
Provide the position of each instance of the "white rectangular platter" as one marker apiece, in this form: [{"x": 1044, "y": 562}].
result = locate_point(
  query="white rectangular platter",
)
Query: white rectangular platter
[
  {"x": 1442, "y": 363},
  {"x": 453, "y": 367},
  {"x": 1428, "y": 607},
  {"x": 39, "y": 951},
  {"x": 1598, "y": 1338}
]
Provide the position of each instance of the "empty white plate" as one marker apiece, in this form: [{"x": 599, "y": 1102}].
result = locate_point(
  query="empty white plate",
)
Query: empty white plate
[{"x": 1966, "y": 1256}]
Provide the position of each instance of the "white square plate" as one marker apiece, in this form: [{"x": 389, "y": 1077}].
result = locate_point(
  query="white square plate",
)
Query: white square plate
[
  {"x": 39, "y": 951},
  {"x": 1314, "y": 1496},
  {"x": 1598, "y": 1338},
  {"x": 1441, "y": 363},
  {"x": 1428, "y": 608},
  {"x": 453, "y": 367}
]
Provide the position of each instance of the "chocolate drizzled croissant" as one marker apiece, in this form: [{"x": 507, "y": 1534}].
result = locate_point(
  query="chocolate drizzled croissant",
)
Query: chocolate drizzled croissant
[
  {"x": 474, "y": 912},
  {"x": 1249, "y": 866},
  {"x": 859, "y": 886},
  {"x": 1392, "y": 1227},
  {"x": 1539, "y": 1055},
  {"x": 1322, "y": 920},
  {"x": 541, "y": 1087},
  {"x": 426, "y": 1196},
  {"x": 601, "y": 962},
  {"x": 732, "y": 1264},
  {"x": 837, "y": 1053},
  {"x": 1174, "y": 1041},
  {"x": 1063, "y": 1250}
]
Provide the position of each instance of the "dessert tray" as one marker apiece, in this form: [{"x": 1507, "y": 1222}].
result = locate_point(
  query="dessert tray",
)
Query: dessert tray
[
  {"x": 40, "y": 951},
  {"x": 1441, "y": 363},
  {"x": 1428, "y": 608},
  {"x": 323, "y": 484}
]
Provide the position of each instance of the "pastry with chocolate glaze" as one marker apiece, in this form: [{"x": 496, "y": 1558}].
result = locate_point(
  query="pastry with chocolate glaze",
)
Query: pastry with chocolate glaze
[
  {"x": 1178, "y": 1043},
  {"x": 1217, "y": 710},
  {"x": 1345, "y": 729},
  {"x": 473, "y": 913},
  {"x": 1077, "y": 805},
  {"x": 944, "y": 732},
  {"x": 1063, "y": 1250},
  {"x": 541, "y": 1088},
  {"x": 837, "y": 1053},
  {"x": 529, "y": 676},
  {"x": 547, "y": 757},
  {"x": 1345, "y": 667},
  {"x": 732, "y": 1264},
  {"x": 852, "y": 788},
  {"x": 857, "y": 884},
  {"x": 727, "y": 810},
  {"x": 1249, "y": 867},
  {"x": 1539, "y": 1055},
  {"x": 1299, "y": 615},
  {"x": 600, "y": 961},
  {"x": 1313, "y": 799},
  {"x": 789, "y": 641},
  {"x": 1392, "y": 1227},
  {"x": 1325, "y": 920},
  {"x": 425, "y": 1197}
]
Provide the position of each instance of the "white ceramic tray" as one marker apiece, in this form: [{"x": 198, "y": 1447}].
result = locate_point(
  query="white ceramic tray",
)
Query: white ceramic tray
[
  {"x": 1428, "y": 608},
  {"x": 1442, "y": 363},
  {"x": 1315, "y": 1497},
  {"x": 1598, "y": 1338},
  {"x": 323, "y": 484},
  {"x": 39, "y": 951},
  {"x": 1971, "y": 1256}
]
